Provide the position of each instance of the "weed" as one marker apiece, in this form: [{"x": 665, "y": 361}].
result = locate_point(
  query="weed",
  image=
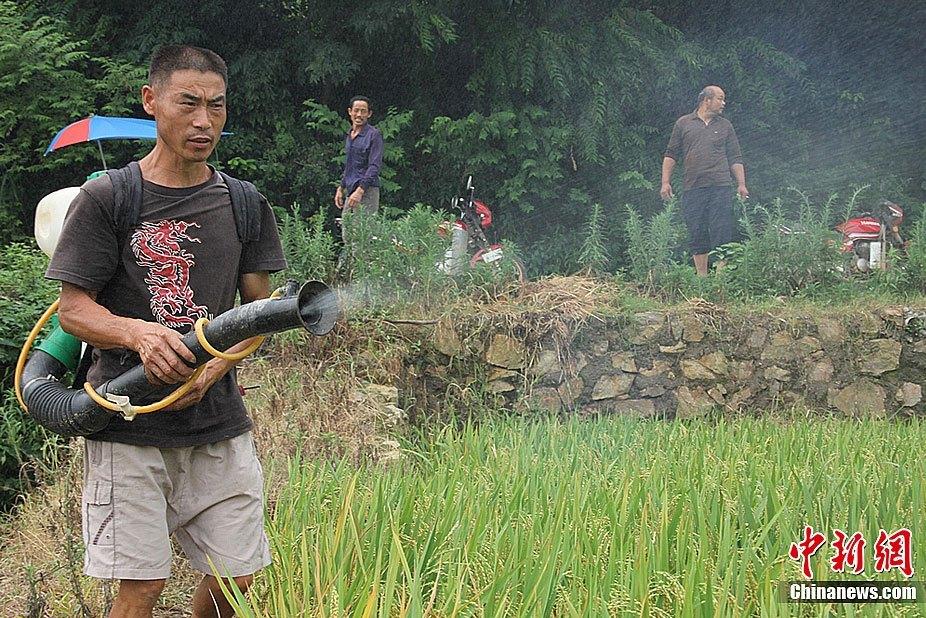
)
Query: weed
[
  {"x": 781, "y": 256},
  {"x": 652, "y": 246},
  {"x": 594, "y": 256},
  {"x": 916, "y": 252},
  {"x": 308, "y": 246}
]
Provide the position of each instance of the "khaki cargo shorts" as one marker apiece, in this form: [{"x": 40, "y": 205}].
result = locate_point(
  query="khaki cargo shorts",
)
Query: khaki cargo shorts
[{"x": 210, "y": 498}]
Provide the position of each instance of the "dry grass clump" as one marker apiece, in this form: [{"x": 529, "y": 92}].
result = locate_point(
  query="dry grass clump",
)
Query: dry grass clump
[
  {"x": 316, "y": 394},
  {"x": 552, "y": 307}
]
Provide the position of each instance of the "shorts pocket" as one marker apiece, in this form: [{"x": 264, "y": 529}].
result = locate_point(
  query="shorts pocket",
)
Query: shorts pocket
[{"x": 98, "y": 513}]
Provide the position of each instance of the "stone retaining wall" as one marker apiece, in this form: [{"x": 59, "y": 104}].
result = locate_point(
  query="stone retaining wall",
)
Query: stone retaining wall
[{"x": 687, "y": 362}]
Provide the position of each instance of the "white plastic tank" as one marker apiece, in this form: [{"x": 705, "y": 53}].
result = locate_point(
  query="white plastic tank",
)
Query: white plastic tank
[{"x": 49, "y": 217}]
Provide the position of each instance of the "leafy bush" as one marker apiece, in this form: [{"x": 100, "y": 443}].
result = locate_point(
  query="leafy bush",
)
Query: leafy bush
[
  {"x": 24, "y": 295},
  {"x": 516, "y": 154},
  {"x": 308, "y": 246},
  {"x": 782, "y": 255},
  {"x": 395, "y": 258},
  {"x": 790, "y": 249}
]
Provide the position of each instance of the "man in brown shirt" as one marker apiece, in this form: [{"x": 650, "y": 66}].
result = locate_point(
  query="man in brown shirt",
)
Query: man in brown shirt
[
  {"x": 707, "y": 144},
  {"x": 189, "y": 471}
]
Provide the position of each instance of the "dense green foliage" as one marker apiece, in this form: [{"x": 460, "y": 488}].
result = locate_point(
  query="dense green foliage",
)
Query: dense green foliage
[
  {"x": 48, "y": 78},
  {"x": 560, "y": 110},
  {"x": 24, "y": 295},
  {"x": 553, "y": 106},
  {"x": 618, "y": 517},
  {"x": 780, "y": 256}
]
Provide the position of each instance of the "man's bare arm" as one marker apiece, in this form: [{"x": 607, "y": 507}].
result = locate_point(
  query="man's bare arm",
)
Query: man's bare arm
[
  {"x": 739, "y": 174},
  {"x": 252, "y": 286},
  {"x": 668, "y": 166},
  {"x": 161, "y": 349}
]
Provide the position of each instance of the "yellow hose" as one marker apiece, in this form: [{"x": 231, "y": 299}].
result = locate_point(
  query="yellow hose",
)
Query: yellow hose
[
  {"x": 201, "y": 337},
  {"x": 146, "y": 409},
  {"x": 152, "y": 407}
]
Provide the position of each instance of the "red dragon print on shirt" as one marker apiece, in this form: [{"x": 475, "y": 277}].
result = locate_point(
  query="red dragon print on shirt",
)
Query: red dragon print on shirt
[{"x": 157, "y": 247}]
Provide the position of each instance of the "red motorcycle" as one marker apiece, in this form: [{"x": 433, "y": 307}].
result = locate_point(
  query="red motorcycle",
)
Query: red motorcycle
[
  {"x": 470, "y": 247},
  {"x": 868, "y": 236}
]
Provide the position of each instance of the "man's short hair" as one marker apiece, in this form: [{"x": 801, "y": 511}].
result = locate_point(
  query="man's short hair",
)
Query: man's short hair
[
  {"x": 358, "y": 98},
  {"x": 706, "y": 93},
  {"x": 168, "y": 59}
]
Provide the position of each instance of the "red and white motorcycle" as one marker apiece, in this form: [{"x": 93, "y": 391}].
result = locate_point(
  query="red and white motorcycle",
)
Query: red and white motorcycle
[
  {"x": 470, "y": 247},
  {"x": 868, "y": 236}
]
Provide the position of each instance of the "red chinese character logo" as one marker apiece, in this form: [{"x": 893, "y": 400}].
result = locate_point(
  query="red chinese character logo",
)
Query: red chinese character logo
[
  {"x": 806, "y": 548},
  {"x": 894, "y": 551},
  {"x": 848, "y": 552}
]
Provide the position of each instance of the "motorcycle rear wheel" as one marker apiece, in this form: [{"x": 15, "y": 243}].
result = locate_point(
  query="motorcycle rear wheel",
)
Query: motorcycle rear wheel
[{"x": 509, "y": 269}]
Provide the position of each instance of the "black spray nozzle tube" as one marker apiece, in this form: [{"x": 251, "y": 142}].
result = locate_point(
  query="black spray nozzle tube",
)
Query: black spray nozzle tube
[{"x": 71, "y": 412}]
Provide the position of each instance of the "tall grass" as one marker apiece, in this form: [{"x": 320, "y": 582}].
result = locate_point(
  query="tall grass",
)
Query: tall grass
[
  {"x": 309, "y": 248},
  {"x": 589, "y": 519},
  {"x": 24, "y": 295},
  {"x": 916, "y": 251},
  {"x": 784, "y": 254},
  {"x": 652, "y": 246}
]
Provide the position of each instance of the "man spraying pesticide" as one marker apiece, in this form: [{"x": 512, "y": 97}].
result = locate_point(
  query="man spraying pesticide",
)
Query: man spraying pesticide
[{"x": 151, "y": 258}]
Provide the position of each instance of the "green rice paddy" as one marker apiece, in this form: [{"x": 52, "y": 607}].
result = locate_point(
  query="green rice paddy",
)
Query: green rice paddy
[{"x": 603, "y": 518}]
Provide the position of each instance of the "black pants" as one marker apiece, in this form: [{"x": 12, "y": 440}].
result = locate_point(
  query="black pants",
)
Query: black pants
[{"x": 708, "y": 214}]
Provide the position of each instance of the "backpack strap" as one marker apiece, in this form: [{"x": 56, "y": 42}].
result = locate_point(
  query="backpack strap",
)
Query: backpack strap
[
  {"x": 127, "y": 197},
  {"x": 246, "y": 205},
  {"x": 128, "y": 193}
]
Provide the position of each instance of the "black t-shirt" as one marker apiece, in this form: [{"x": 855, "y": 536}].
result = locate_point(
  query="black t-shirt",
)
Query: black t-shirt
[{"x": 181, "y": 262}]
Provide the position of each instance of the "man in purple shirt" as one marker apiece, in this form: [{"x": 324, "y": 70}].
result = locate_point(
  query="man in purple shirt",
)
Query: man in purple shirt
[{"x": 358, "y": 190}]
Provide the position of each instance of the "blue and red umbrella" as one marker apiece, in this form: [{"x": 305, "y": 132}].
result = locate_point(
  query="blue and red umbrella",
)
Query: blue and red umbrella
[{"x": 97, "y": 128}]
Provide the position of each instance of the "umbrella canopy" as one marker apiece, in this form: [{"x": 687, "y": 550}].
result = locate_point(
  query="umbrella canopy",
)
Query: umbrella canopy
[{"x": 97, "y": 128}]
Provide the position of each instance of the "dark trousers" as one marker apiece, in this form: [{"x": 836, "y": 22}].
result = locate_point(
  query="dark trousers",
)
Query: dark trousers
[{"x": 708, "y": 214}]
